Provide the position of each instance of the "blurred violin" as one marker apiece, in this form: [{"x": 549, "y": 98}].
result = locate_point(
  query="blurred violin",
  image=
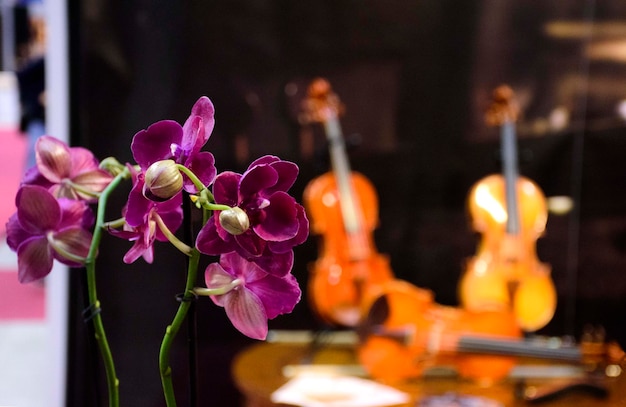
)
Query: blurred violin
[
  {"x": 510, "y": 213},
  {"x": 404, "y": 332},
  {"x": 342, "y": 206}
]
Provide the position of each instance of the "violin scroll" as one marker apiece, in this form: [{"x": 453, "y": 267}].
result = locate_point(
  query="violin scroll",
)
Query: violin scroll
[
  {"x": 321, "y": 104},
  {"x": 504, "y": 107}
]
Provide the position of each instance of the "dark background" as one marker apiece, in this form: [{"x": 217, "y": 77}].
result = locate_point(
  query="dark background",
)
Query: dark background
[{"x": 415, "y": 77}]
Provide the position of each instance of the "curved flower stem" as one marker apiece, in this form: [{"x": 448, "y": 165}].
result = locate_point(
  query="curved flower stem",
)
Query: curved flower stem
[
  {"x": 207, "y": 292},
  {"x": 114, "y": 224},
  {"x": 196, "y": 181},
  {"x": 172, "y": 330},
  {"x": 216, "y": 207},
  {"x": 172, "y": 238},
  {"x": 94, "y": 304}
]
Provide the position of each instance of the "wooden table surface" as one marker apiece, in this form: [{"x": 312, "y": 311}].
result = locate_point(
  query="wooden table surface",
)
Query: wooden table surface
[{"x": 260, "y": 370}]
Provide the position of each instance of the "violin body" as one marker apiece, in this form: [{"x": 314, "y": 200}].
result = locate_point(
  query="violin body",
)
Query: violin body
[
  {"x": 506, "y": 273},
  {"x": 405, "y": 332},
  {"x": 348, "y": 265}
]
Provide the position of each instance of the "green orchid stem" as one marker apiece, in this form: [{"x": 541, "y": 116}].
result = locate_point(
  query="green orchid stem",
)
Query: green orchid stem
[
  {"x": 83, "y": 190},
  {"x": 114, "y": 224},
  {"x": 217, "y": 207},
  {"x": 210, "y": 200},
  {"x": 172, "y": 238},
  {"x": 94, "y": 305},
  {"x": 172, "y": 330},
  {"x": 196, "y": 181},
  {"x": 218, "y": 290}
]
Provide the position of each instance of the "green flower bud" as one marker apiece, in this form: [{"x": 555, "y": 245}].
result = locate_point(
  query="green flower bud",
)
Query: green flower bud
[
  {"x": 163, "y": 180},
  {"x": 234, "y": 220}
]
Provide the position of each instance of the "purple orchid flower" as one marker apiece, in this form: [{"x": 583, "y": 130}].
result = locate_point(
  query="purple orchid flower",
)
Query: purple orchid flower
[
  {"x": 256, "y": 297},
  {"x": 168, "y": 140},
  {"x": 68, "y": 172},
  {"x": 44, "y": 229},
  {"x": 141, "y": 215},
  {"x": 277, "y": 221}
]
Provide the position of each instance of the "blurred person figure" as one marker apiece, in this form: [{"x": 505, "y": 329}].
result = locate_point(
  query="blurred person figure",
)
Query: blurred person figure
[{"x": 31, "y": 79}]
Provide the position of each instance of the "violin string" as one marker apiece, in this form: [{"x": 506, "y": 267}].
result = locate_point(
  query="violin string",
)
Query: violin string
[{"x": 525, "y": 348}]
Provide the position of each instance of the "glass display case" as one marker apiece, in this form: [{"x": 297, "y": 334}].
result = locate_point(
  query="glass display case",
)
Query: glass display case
[{"x": 416, "y": 78}]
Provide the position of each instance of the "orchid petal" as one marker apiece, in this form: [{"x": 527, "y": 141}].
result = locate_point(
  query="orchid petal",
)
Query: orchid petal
[
  {"x": 75, "y": 213},
  {"x": 82, "y": 160},
  {"x": 155, "y": 143},
  {"x": 301, "y": 236},
  {"x": 139, "y": 249},
  {"x": 216, "y": 277},
  {"x": 225, "y": 188},
  {"x": 250, "y": 244},
  {"x": 287, "y": 172},
  {"x": 281, "y": 222},
  {"x": 203, "y": 166},
  {"x": 264, "y": 160},
  {"x": 171, "y": 212},
  {"x": 73, "y": 240},
  {"x": 34, "y": 260},
  {"x": 53, "y": 158},
  {"x": 280, "y": 295},
  {"x": 37, "y": 209},
  {"x": 246, "y": 312},
  {"x": 256, "y": 179},
  {"x": 94, "y": 180},
  {"x": 209, "y": 242},
  {"x": 16, "y": 233},
  {"x": 137, "y": 206},
  {"x": 276, "y": 264},
  {"x": 199, "y": 126},
  {"x": 32, "y": 176}
]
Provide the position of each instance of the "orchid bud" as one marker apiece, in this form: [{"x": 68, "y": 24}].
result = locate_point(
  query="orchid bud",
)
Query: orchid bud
[
  {"x": 234, "y": 220},
  {"x": 163, "y": 180}
]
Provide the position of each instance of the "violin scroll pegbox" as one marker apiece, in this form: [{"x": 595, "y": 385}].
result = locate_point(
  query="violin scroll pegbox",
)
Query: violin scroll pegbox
[
  {"x": 321, "y": 104},
  {"x": 504, "y": 108}
]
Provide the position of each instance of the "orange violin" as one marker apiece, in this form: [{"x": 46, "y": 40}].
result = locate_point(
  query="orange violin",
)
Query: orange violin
[
  {"x": 404, "y": 332},
  {"x": 342, "y": 206},
  {"x": 510, "y": 213}
]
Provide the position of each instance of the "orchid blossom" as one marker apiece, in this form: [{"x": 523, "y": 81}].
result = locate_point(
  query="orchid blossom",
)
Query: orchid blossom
[
  {"x": 147, "y": 221},
  {"x": 277, "y": 222},
  {"x": 68, "y": 172},
  {"x": 168, "y": 140},
  {"x": 252, "y": 296},
  {"x": 44, "y": 229}
]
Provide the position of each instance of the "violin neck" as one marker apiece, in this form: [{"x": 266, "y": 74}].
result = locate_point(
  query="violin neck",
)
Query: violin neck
[
  {"x": 516, "y": 347},
  {"x": 511, "y": 173},
  {"x": 483, "y": 344},
  {"x": 350, "y": 209}
]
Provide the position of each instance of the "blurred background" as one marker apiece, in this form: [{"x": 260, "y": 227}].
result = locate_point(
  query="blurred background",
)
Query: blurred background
[{"x": 415, "y": 78}]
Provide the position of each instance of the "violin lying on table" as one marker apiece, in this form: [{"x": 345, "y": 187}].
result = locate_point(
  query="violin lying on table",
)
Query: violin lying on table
[
  {"x": 405, "y": 332},
  {"x": 510, "y": 212},
  {"x": 342, "y": 206}
]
